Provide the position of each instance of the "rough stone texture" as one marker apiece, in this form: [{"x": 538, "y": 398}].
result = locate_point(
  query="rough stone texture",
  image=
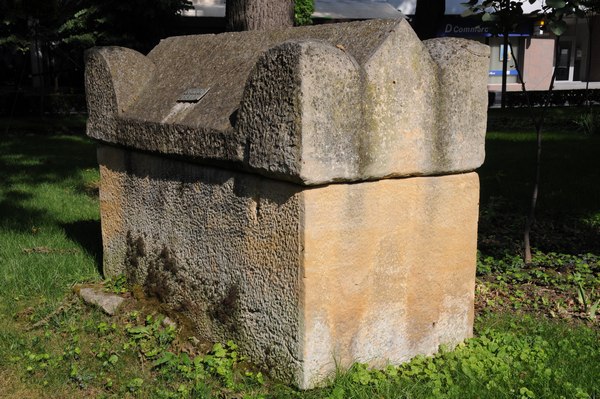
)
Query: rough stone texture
[
  {"x": 302, "y": 112},
  {"x": 224, "y": 208},
  {"x": 401, "y": 91},
  {"x": 114, "y": 79},
  {"x": 300, "y": 278},
  {"x": 109, "y": 303},
  {"x": 221, "y": 246},
  {"x": 389, "y": 270},
  {"x": 397, "y": 114},
  {"x": 459, "y": 120},
  {"x": 313, "y": 105}
]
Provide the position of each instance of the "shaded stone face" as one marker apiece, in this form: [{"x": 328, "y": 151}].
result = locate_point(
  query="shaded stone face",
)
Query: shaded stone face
[
  {"x": 317, "y": 204},
  {"x": 223, "y": 247}
]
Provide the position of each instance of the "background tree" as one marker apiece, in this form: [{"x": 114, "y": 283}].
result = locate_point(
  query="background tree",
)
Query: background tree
[
  {"x": 303, "y": 10},
  {"x": 429, "y": 15},
  {"x": 137, "y": 24},
  {"x": 56, "y": 32},
  {"x": 591, "y": 8},
  {"x": 502, "y": 16},
  {"x": 244, "y": 15}
]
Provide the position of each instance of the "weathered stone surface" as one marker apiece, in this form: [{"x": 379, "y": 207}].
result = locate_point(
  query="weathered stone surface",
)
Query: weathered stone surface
[
  {"x": 114, "y": 79},
  {"x": 393, "y": 115},
  {"x": 302, "y": 114},
  {"x": 222, "y": 63},
  {"x": 388, "y": 270},
  {"x": 109, "y": 303},
  {"x": 313, "y": 105},
  {"x": 401, "y": 92},
  {"x": 222, "y": 247},
  {"x": 224, "y": 208},
  {"x": 301, "y": 278},
  {"x": 462, "y": 102}
]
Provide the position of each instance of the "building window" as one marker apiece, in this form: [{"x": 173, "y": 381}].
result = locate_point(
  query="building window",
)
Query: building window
[{"x": 563, "y": 66}]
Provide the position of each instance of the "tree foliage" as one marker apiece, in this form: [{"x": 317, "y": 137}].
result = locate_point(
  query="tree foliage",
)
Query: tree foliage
[
  {"x": 83, "y": 23},
  {"x": 504, "y": 15},
  {"x": 56, "y": 33},
  {"x": 303, "y": 10}
]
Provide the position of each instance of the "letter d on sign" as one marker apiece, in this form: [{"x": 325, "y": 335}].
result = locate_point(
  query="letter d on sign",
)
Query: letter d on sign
[{"x": 448, "y": 28}]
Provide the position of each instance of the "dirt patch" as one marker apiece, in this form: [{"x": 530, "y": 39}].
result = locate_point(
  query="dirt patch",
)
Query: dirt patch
[{"x": 549, "y": 301}]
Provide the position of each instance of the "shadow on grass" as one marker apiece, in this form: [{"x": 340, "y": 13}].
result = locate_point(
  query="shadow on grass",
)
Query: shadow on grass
[
  {"x": 569, "y": 174},
  {"x": 18, "y": 217},
  {"x": 49, "y": 125},
  {"x": 569, "y": 196},
  {"x": 31, "y": 163},
  {"x": 87, "y": 233},
  {"x": 45, "y": 182},
  {"x": 36, "y": 159}
]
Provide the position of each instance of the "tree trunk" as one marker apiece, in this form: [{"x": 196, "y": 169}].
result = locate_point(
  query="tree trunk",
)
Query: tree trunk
[
  {"x": 590, "y": 25},
  {"x": 259, "y": 14},
  {"x": 538, "y": 164},
  {"x": 429, "y": 16}
]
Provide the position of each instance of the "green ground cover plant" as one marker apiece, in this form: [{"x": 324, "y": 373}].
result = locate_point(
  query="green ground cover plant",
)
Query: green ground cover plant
[{"x": 536, "y": 332}]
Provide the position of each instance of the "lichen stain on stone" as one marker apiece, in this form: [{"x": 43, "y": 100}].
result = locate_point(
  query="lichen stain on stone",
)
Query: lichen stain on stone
[
  {"x": 157, "y": 278},
  {"x": 366, "y": 145},
  {"x": 254, "y": 208},
  {"x": 168, "y": 260},
  {"x": 226, "y": 310},
  {"x": 135, "y": 249}
]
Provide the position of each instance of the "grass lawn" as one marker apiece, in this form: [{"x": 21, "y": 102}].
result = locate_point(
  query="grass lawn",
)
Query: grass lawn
[{"x": 537, "y": 333}]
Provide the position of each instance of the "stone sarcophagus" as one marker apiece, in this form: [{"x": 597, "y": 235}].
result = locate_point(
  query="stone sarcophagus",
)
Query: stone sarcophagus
[{"x": 308, "y": 193}]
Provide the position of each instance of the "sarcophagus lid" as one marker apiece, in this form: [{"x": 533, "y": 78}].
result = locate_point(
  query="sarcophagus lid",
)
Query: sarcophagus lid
[{"x": 312, "y": 105}]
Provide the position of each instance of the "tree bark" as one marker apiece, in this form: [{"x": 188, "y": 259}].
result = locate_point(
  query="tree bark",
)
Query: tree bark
[
  {"x": 538, "y": 164},
  {"x": 589, "y": 62},
  {"x": 244, "y": 15},
  {"x": 429, "y": 16}
]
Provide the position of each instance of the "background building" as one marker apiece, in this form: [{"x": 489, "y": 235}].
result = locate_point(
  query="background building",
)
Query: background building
[{"x": 532, "y": 44}]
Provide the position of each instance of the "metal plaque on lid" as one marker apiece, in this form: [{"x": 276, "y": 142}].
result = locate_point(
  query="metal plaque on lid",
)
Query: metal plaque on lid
[{"x": 192, "y": 95}]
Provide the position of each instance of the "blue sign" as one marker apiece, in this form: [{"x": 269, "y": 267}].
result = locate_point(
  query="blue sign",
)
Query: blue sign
[{"x": 498, "y": 72}]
